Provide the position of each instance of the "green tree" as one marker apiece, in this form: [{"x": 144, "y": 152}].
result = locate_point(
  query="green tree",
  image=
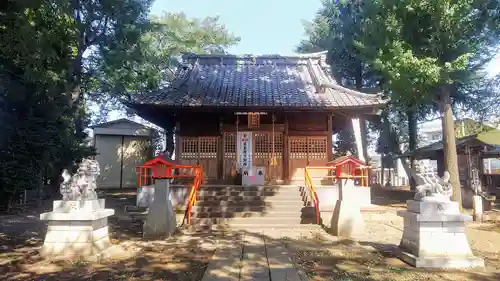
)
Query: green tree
[
  {"x": 152, "y": 62},
  {"x": 36, "y": 47},
  {"x": 427, "y": 49},
  {"x": 335, "y": 28}
]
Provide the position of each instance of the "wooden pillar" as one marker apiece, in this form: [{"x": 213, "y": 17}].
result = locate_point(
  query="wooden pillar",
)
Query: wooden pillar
[
  {"x": 178, "y": 143},
  {"x": 440, "y": 162},
  {"x": 329, "y": 142},
  {"x": 286, "y": 154},
  {"x": 220, "y": 154}
]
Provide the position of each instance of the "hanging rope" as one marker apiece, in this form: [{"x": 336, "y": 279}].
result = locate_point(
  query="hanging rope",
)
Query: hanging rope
[{"x": 274, "y": 161}]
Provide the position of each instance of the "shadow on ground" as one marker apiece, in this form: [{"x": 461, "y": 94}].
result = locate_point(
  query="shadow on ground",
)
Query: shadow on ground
[
  {"x": 186, "y": 255},
  {"x": 353, "y": 261},
  {"x": 390, "y": 197}
]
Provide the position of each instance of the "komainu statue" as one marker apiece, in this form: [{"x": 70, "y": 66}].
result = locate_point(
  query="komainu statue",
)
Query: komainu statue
[
  {"x": 434, "y": 188},
  {"x": 81, "y": 185}
]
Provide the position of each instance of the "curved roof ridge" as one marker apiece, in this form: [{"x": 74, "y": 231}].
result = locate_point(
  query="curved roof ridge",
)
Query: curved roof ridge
[
  {"x": 353, "y": 92},
  {"x": 259, "y": 56}
]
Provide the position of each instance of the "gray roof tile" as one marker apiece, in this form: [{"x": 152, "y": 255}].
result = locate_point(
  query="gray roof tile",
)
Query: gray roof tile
[{"x": 258, "y": 81}]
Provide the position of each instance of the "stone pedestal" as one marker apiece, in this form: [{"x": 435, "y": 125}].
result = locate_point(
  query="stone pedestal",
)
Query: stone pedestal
[
  {"x": 328, "y": 196},
  {"x": 76, "y": 230},
  {"x": 477, "y": 207},
  {"x": 160, "y": 221},
  {"x": 434, "y": 236},
  {"x": 347, "y": 220}
]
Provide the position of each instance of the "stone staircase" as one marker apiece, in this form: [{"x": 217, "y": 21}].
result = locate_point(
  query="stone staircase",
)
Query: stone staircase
[{"x": 256, "y": 207}]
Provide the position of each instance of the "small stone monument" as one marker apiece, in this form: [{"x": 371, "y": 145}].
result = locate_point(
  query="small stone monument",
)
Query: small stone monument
[
  {"x": 434, "y": 229},
  {"x": 346, "y": 220},
  {"x": 78, "y": 224},
  {"x": 160, "y": 221}
]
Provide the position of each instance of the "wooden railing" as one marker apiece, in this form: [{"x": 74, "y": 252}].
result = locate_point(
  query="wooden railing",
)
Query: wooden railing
[
  {"x": 308, "y": 180},
  {"x": 192, "y": 194},
  {"x": 314, "y": 196}
]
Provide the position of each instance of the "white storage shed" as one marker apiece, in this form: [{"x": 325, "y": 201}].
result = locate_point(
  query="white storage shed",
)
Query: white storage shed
[{"x": 121, "y": 145}]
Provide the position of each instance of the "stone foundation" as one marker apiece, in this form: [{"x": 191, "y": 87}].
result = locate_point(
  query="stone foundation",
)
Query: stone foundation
[
  {"x": 76, "y": 230},
  {"x": 434, "y": 236},
  {"x": 160, "y": 221},
  {"x": 328, "y": 196}
]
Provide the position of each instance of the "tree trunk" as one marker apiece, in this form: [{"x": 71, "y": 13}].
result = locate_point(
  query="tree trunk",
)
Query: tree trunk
[
  {"x": 449, "y": 145},
  {"x": 382, "y": 170},
  {"x": 364, "y": 140},
  {"x": 412, "y": 132}
]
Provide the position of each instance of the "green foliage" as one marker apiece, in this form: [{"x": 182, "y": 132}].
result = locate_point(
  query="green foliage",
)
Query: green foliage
[
  {"x": 428, "y": 52},
  {"x": 421, "y": 46},
  {"x": 49, "y": 50},
  {"x": 469, "y": 127},
  {"x": 336, "y": 28},
  {"x": 35, "y": 50},
  {"x": 151, "y": 62},
  {"x": 345, "y": 142},
  {"x": 57, "y": 57}
]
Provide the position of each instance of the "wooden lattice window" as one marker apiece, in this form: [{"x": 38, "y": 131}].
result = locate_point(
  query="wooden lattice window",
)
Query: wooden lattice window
[
  {"x": 317, "y": 148},
  {"x": 199, "y": 147},
  {"x": 253, "y": 120},
  {"x": 189, "y": 147},
  {"x": 264, "y": 145},
  {"x": 298, "y": 148},
  {"x": 207, "y": 147},
  {"x": 230, "y": 145}
]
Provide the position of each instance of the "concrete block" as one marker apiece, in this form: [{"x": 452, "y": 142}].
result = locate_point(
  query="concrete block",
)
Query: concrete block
[{"x": 347, "y": 220}]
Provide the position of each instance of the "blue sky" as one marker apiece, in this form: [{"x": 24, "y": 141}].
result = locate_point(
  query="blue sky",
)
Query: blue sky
[{"x": 265, "y": 26}]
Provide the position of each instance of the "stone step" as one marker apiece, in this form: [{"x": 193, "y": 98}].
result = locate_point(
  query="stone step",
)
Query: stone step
[
  {"x": 246, "y": 208},
  {"x": 264, "y": 204},
  {"x": 284, "y": 214},
  {"x": 211, "y": 228},
  {"x": 264, "y": 188},
  {"x": 250, "y": 199},
  {"x": 253, "y": 220},
  {"x": 287, "y": 192},
  {"x": 251, "y": 227},
  {"x": 250, "y": 196}
]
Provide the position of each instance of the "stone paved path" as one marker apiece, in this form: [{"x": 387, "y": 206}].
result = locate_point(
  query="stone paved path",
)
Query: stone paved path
[{"x": 253, "y": 255}]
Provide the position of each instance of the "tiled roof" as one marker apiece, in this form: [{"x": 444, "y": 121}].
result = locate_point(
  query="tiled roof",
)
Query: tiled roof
[{"x": 301, "y": 81}]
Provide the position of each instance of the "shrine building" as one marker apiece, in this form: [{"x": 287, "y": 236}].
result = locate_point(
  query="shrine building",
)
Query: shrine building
[{"x": 278, "y": 113}]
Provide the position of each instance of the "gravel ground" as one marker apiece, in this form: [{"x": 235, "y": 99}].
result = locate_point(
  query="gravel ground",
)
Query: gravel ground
[
  {"x": 370, "y": 256},
  {"x": 183, "y": 257}
]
